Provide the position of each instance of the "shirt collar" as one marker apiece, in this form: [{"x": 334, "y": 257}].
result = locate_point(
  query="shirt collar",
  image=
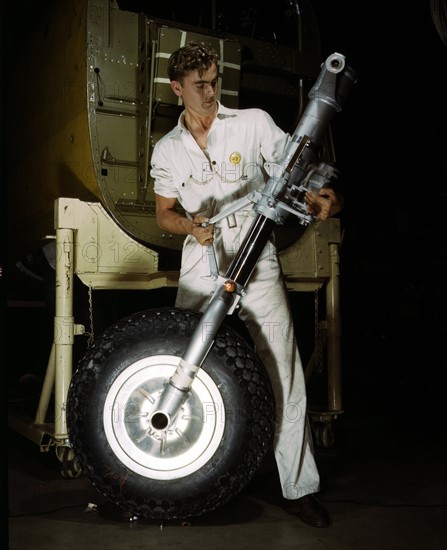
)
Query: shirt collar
[{"x": 222, "y": 112}]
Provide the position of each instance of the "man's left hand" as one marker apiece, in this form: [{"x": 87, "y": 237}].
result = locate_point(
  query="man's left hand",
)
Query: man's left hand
[{"x": 325, "y": 204}]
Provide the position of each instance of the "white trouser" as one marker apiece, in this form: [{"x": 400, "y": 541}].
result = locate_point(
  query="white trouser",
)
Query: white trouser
[{"x": 266, "y": 312}]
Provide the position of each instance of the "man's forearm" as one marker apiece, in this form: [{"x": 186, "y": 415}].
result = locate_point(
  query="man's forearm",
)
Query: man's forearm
[{"x": 172, "y": 221}]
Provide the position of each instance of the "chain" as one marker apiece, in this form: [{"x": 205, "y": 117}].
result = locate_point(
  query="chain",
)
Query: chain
[
  {"x": 318, "y": 351},
  {"x": 91, "y": 336}
]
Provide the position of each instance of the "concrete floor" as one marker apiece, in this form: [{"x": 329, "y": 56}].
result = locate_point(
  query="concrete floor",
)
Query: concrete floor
[{"x": 384, "y": 483}]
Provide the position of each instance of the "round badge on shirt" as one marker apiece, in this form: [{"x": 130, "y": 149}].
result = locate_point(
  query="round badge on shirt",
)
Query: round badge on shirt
[{"x": 235, "y": 158}]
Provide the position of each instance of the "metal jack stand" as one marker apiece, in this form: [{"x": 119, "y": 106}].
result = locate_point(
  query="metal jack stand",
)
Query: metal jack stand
[
  {"x": 60, "y": 365},
  {"x": 90, "y": 245},
  {"x": 311, "y": 265}
]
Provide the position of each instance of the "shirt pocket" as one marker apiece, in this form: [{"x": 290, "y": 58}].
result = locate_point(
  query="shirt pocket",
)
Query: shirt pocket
[{"x": 197, "y": 195}]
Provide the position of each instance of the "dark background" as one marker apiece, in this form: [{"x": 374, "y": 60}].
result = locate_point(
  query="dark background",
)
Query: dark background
[
  {"x": 390, "y": 142},
  {"x": 391, "y": 146}
]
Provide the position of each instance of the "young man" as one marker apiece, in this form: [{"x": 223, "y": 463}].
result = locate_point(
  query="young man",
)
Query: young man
[{"x": 215, "y": 156}]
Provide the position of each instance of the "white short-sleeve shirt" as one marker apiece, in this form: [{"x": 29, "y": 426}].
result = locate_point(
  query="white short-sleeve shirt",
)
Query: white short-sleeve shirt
[{"x": 239, "y": 142}]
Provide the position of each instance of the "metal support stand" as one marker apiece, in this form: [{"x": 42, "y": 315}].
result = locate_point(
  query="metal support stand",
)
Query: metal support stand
[
  {"x": 334, "y": 332},
  {"x": 322, "y": 421},
  {"x": 92, "y": 247}
]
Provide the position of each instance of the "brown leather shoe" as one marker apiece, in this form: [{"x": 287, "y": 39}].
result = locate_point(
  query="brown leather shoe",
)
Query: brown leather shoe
[{"x": 309, "y": 510}]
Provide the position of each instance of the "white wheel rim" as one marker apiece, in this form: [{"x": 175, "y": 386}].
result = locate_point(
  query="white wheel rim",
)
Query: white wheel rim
[{"x": 187, "y": 445}]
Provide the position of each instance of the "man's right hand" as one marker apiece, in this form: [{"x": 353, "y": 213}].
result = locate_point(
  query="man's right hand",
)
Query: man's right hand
[{"x": 204, "y": 235}]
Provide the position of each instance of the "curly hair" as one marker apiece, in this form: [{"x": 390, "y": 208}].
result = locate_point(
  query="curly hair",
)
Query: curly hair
[{"x": 194, "y": 56}]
